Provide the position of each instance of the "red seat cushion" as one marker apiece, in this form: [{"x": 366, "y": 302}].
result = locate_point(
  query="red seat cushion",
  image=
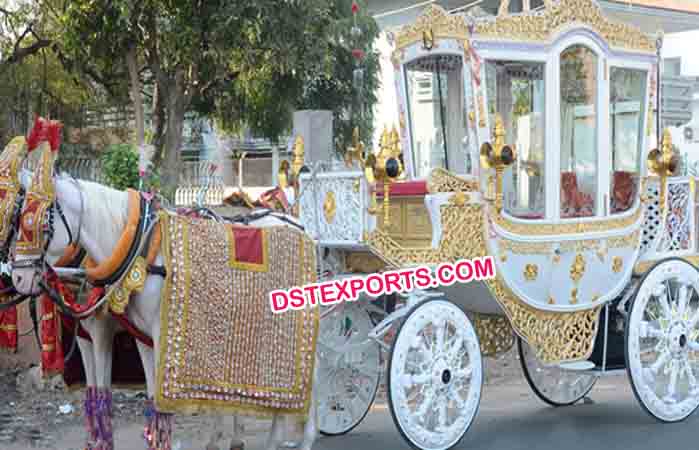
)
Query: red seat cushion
[{"x": 404, "y": 188}]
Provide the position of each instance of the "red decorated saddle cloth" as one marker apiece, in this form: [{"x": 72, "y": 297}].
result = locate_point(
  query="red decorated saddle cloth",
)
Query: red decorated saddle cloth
[{"x": 222, "y": 348}]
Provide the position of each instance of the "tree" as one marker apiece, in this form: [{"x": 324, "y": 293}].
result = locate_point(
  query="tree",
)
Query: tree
[
  {"x": 335, "y": 89},
  {"x": 198, "y": 54}
]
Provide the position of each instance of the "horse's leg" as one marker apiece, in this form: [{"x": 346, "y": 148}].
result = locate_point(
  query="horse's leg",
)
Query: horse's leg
[
  {"x": 310, "y": 430},
  {"x": 102, "y": 333},
  {"x": 144, "y": 313},
  {"x": 237, "y": 442},
  {"x": 148, "y": 361},
  {"x": 88, "y": 359},
  {"x": 276, "y": 433}
]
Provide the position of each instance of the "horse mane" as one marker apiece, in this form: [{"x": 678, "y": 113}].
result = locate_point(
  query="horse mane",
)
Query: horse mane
[{"x": 106, "y": 207}]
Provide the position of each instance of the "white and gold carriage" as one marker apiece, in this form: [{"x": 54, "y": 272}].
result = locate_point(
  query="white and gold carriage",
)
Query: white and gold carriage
[{"x": 527, "y": 138}]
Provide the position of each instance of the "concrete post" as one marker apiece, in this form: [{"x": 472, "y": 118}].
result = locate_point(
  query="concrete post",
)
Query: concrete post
[{"x": 275, "y": 165}]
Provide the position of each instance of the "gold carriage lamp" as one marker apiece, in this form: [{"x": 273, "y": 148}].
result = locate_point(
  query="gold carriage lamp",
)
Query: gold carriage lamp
[
  {"x": 384, "y": 167},
  {"x": 286, "y": 179},
  {"x": 663, "y": 163},
  {"x": 498, "y": 156}
]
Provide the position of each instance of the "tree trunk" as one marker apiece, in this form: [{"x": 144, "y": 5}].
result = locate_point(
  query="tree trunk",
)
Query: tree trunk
[
  {"x": 175, "y": 106},
  {"x": 136, "y": 97},
  {"x": 158, "y": 125}
]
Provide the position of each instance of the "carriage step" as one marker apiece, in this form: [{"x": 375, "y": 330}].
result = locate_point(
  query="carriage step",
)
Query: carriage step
[{"x": 577, "y": 365}]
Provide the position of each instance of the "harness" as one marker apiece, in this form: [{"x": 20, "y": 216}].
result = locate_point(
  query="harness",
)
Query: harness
[{"x": 140, "y": 240}]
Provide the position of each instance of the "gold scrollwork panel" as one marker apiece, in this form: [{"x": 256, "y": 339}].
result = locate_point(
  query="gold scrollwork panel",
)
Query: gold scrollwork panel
[
  {"x": 541, "y": 26},
  {"x": 555, "y": 336},
  {"x": 494, "y": 333}
]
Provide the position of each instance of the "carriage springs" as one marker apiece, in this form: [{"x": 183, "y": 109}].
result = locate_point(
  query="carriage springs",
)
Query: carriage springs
[{"x": 384, "y": 283}]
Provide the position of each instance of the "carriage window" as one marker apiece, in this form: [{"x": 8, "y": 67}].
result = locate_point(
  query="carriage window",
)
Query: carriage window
[
  {"x": 437, "y": 120},
  {"x": 516, "y": 92},
  {"x": 578, "y": 132},
  {"x": 626, "y": 113}
]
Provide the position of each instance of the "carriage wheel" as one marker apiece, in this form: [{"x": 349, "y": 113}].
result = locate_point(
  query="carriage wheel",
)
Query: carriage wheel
[
  {"x": 349, "y": 377},
  {"x": 553, "y": 385},
  {"x": 435, "y": 375},
  {"x": 662, "y": 341}
]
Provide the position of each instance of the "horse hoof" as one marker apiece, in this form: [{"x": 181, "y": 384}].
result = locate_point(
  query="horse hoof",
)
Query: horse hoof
[{"x": 289, "y": 444}]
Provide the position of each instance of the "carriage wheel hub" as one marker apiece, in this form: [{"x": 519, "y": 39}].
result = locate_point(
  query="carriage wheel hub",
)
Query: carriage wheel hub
[
  {"x": 441, "y": 373},
  {"x": 677, "y": 337},
  {"x": 446, "y": 376}
]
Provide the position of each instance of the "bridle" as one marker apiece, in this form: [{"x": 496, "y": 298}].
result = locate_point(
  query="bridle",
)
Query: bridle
[{"x": 49, "y": 229}]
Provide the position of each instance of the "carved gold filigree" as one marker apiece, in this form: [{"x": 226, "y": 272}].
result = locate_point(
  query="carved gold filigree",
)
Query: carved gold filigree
[
  {"x": 329, "y": 207},
  {"x": 435, "y": 22},
  {"x": 538, "y": 229},
  {"x": 543, "y": 26},
  {"x": 630, "y": 240},
  {"x": 441, "y": 180},
  {"x": 524, "y": 248},
  {"x": 481, "y": 111},
  {"x": 577, "y": 269},
  {"x": 531, "y": 271},
  {"x": 494, "y": 333},
  {"x": 617, "y": 264},
  {"x": 459, "y": 198},
  {"x": 555, "y": 336},
  {"x": 643, "y": 267}
]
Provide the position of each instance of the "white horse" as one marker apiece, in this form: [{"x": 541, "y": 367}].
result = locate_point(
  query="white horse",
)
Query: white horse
[{"x": 97, "y": 215}]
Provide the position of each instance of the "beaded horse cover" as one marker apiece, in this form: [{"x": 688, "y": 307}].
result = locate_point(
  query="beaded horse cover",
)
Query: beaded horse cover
[{"x": 222, "y": 349}]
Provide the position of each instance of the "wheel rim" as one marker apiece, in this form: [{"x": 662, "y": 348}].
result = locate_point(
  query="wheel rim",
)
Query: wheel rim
[
  {"x": 436, "y": 376},
  {"x": 554, "y": 385},
  {"x": 349, "y": 378},
  {"x": 662, "y": 341}
]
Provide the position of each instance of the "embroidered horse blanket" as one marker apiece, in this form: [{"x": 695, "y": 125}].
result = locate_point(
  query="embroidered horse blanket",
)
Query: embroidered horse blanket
[{"x": 222, "y": 349}]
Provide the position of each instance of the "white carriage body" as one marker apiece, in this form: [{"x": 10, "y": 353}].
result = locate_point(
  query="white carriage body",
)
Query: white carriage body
[{"x": 524, "y": 137}]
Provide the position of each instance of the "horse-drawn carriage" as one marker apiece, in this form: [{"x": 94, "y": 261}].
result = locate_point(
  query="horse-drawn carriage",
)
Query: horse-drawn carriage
[{"x": 523, "y": 137}]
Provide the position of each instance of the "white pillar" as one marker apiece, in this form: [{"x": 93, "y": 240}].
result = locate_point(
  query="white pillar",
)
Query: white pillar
[{"x": 275, "y": 165}]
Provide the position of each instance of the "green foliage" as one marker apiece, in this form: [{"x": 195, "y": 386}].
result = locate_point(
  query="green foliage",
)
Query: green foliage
[
  {"x": 333, "y": 88},
  {"x": 120, "y": 167}
]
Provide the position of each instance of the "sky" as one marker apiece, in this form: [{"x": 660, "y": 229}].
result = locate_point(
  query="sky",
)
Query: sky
[{"x": 684, "y": 45}]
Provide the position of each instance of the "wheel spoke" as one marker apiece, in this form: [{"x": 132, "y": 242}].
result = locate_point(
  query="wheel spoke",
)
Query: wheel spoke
[
  {"x": 443, "y": 413},
  {"x": 689, "y": 372},
  {"x": 648, "y": 330},
  {"x": 463, "y": 373},
  {"x": 672, "y": 386},
  {"x": 695, "y": 319},
  {"x": 427, "y": 401},
  {"x": 682, "y": 300},
  {"x": 662, "y": 299},
  {"x": 409, "y": 381},
  {"x": 456, "y": 344},
  {"x": 662, "y": 360},
  {"x": 439, "y": 334}
]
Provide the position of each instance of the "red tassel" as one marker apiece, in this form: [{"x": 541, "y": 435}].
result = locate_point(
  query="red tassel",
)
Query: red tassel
[
  {"x": 54, "y": 134},
  {"x": 355, "y": 8},
  {"x": 38, "y": 134},
  {"x": 51, "y": 347},
  {"x": 8, "y": 329}
]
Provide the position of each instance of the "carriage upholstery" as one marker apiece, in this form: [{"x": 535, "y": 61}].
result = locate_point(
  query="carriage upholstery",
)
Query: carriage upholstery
[{"x": 262, "y": 362}]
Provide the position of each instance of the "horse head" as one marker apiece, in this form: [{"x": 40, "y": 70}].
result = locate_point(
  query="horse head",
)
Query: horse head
[{"x": 39, "y": 241}]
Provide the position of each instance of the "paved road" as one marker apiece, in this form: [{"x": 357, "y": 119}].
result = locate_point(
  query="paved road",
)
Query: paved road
[{"x": 511, "y": 417}]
